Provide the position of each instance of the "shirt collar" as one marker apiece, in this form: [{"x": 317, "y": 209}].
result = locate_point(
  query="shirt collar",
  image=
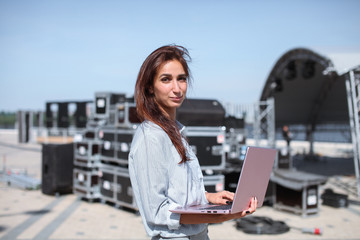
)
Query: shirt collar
[{"x": 180, "y": 126}]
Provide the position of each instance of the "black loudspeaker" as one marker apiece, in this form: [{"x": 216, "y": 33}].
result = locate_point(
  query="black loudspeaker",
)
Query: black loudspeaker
[
  {"x": 49, "y": 116},
  {"x": 63, "y": 116},
  {"x": 57, "y": 168},
  {"x": 80, "y": 115},
  {"x": 201, "y": 112}
]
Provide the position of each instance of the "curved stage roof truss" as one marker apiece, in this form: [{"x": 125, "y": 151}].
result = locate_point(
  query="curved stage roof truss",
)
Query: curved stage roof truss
[{"x": 306, "y": 90}]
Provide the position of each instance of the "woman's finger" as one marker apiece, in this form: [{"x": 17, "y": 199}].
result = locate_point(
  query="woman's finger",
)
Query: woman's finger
[{"x": 253, "y": 205}]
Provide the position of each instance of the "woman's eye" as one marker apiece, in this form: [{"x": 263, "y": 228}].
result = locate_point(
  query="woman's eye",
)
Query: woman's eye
[
  {"x": 183, "y": 79},
  {"x": 165, "y": 79}
]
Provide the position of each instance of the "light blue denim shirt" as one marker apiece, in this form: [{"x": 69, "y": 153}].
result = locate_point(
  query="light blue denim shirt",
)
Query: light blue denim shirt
[{"x": 160, "y": 183}]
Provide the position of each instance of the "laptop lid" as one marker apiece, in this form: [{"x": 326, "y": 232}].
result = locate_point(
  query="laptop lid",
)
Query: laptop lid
[{"x": 254, "y": 177}]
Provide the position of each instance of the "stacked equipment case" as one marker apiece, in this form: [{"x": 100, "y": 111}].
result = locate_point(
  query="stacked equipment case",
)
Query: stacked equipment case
[
  {"x": 101, "y": 152},
  {"x": 87, "y": 163}
]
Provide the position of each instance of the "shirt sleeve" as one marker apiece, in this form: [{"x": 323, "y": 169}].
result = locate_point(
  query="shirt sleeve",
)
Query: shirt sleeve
[{"x": 150, "y": 165}]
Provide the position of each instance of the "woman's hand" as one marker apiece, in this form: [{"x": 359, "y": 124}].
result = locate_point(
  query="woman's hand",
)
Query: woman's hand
[
  {"x": 217, "y": 218},
  {"x": 250, "y": 210},
  {"x": 220, "y": 197}
]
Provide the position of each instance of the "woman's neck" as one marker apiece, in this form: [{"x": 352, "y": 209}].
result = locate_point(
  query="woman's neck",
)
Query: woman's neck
[{"x": 170, "y": 113}]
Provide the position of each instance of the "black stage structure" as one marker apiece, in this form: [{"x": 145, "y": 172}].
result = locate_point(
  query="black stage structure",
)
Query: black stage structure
[{"x": 308, "y": 89}]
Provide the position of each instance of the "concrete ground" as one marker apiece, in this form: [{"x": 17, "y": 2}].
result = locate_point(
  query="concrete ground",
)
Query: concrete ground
[{"x": 29, "y": 214}]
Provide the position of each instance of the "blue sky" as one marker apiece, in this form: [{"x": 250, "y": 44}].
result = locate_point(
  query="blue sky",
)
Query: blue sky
[{"x": 67, "y": 50}]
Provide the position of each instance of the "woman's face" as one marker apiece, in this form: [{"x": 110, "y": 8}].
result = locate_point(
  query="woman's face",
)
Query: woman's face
[{"x": 170, "y": 85}]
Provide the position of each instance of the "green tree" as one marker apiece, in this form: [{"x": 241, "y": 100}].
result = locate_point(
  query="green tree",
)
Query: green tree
[{"x": 7, "y": 119}]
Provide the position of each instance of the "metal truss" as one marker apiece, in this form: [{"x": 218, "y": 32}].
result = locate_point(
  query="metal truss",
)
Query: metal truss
[
  {"x": 264, "y": 122},
  {"x": 353, "y": 98}
]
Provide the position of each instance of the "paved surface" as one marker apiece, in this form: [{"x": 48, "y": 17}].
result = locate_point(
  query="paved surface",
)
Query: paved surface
[{"x": 29, "y": 214}]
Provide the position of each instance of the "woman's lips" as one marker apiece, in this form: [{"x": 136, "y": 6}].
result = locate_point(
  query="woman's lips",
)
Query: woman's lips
[{"x": 177, "y": 99}]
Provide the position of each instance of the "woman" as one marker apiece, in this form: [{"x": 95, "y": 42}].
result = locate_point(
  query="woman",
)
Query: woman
[{"x": 164, "y": 171}]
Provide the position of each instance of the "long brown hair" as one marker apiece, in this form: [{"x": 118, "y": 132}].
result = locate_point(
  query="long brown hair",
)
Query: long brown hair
[{"x": 146, "y": 105}]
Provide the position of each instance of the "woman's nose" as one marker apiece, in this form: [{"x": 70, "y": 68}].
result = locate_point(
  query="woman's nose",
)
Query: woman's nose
[{"x": 176, "y": 87}]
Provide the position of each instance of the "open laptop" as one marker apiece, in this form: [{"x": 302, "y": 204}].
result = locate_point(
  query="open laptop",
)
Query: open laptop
[{"x": 253, "y": 182}]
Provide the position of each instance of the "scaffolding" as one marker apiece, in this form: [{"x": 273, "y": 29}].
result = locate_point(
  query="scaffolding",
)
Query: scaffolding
[
  {"x": 264, "y": 122},
  {"x": 353, "y": 97}
]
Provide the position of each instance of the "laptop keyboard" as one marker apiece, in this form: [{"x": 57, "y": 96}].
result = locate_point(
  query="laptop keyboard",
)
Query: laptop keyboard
[{"x": 219, "y": 207}]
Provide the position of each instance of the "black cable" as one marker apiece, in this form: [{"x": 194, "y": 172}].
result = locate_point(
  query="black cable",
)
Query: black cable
[{"x": 261, "y": 225}]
